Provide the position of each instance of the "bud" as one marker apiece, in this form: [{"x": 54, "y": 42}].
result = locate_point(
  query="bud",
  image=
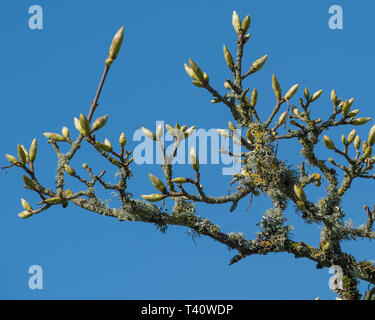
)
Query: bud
[
  {"x": 367, "y": 152},
  {"x": 54, "y": 136},
  {"x": 350, "y": 101},
  {"x": 227, "y": 85},
  {"x": 228, "y": 58},
  {"x": 25, "y": 214},
  {"x": 85, "y": 165},
  {"x": 353, "y": 113},
  {"x": 371, "y": 136},
  {"x": 316, "y": 95},
  {"x": 282, "y": 118},
  {"x": 25, "y": 152},
  {"x": 194, "y": 159},
  {"x": 199, "y": 84},
  {"x": 357, "y": 142},
  {"x": 295, "y": 110},
  {"x": 184, "y": 127},
  {"x": 301, "y": 205},
  {"x": 316, "y": 176},
  {"x": 85, "y": 125},
  {"x": 100, "y": 122},
  {"x": 245, "y": 24},
  {"x": 122, "y": 140},
  {"x": 33, "y": 150},
  {"x": 328, "y": 143},
  {"x": 364, "y": 146},
  {"x": 148, "y": 133},
  {"x": 28, "y": 182},
  {"x": 179, "y": 180},
  {"x": 77, "y": 124},
  {"x": 223, "y": 133},
  {"x": 65, "y": 132},
  {"x": 360, "y": 121},
  {"x": 108, "y": 143},
  {"x": 21, "y": 154},
  {"x": 157, "y": 183},
  {"x": 246, "y": 38},
  {"x": 276, "y": 87},
  {"x": 153, "y": 197},
  {"x": 351, "y": 136},
  {"x": 236, "y": 22},
  {"x": 115, "y": 46},
  {"x": 307, "y": 94},
  {"x": 196, "y": 70},
  {"x": 103, "y": 146},
  {"x": 53, "y": 200},
  {"x": 11, "y": 159},
  {"x": 343, "y": 140},
  {"x": 330, "y": 160},
  {"x": 250, "y": 136},
  {"x": 300, "y": 193},
  {"x": 215, "y": 100},
  {"x": 334, "y": 97},
  {"x": 345, "y": 109},
  {"x": 69, "y": 170},
  {"x": 258, "y": 64},
  {"x": 190, "y": 72},
  {"x": 292, "y": 91},
  {"x": 254, "y": 97},
  {"x": 26, "y": 205}
]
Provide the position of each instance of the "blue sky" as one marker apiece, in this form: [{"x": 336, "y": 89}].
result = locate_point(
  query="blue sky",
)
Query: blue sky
[{"x": 50, "y": 76}]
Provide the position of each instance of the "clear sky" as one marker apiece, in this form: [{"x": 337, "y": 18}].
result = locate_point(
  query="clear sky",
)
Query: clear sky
[{"x": 50, "y": 75}]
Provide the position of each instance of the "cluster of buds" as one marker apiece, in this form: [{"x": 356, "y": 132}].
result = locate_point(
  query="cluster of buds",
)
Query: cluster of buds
[
  {"x": 24, "y": 156},
  {"x": 241, "y": 27},
  {"x": 179, "y": 132},
  {"x": 200, "y": 79}
]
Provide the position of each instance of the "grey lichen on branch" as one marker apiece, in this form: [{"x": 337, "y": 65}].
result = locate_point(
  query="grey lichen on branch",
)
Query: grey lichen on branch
[{"x": 262, "y": 170}]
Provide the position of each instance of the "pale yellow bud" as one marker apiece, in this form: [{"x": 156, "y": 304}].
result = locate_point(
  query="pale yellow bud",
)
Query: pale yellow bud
[
  {"x": 153, "y": 197},
  {"x": 245, "y": 24},
  {"x": 282, "y": 118},
  {"x": 316, "y": 95},
  {"x": 360, "y": 121},
  {"x": 157, "y": 183},
  {"x": 291, "y": 92},
  {"x": 26, "y": 205},
  {"x": 115, "y": 46},
  {"x": 276, "y": 87},
  {"x": 65, "y": 132},
  {"x": 148, "y": 133},
  {"x": 334, "y": 97},
  {"x": 54, "y": 136},
  {"x": 254, "y": 97},
  {"x": 298, "y": 190},
  {"x": 21, "y": 154},
  {"x": 122, "y": 140},
  {"x": 69, "y": 170},
  {"x": 351, "y": 136},
  {"x": 258, "y": 64},
  {"x": 236, "y": 22},
  {"x": 194, "y": 159},
  {"x": 25, "y": 214},
  {"x": 85, "y": 125},
  {"x": 328, "y": 143},
  {"x": 179, "y": 180},
  {"x": 228, "y": 58},
  {"x": 371, "y": 136},
  {"x": 357, "y": 142},
  {"x": 100, "y": 122},
  {"x": 197, "y": 71}
]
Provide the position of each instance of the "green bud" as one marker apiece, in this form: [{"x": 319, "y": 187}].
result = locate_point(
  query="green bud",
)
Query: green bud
[
  {"x": 199, "y": 84},
  {"x": 343, "y": 140},
  {"x": 364, "y": 146},
  {"x": 367, "y": 152},
  {"x": 53, "y": 200},
  {"x": 334, "y": 97},
  {"x": 353, "y": 113},
  {"x": 115, "y": 46},
  {"x": 227, "y": 85},
  {"x": 179, "y": 180},
  {"x": 108, "y": 143},
  {"x": 21, "y": 154},
  {"x": 299, "y": 193},
  {"x": 371, "y": 136},
  {"x": 196, "y": 70},
  {"x": 12, "y": 160},
  {"x": 122, "y": 140},
  {"x": 54, "y": 136},
  {"x": 149, "y": 134},
  {"x": 236, "y": 22},
  {"x": 254, "y": 97},
  {"x": 246, "y": 38},
  {"x": 157, "y": 183},
  {"x": 33, "y": 150},
  {"x": 206, "y": 78},
  {"x": 345, "y": 109},
  {"x": 316, "y": 95},
  {"x": 190, "y": 72},
  {"x": 100, "y": 122},
  {"x": 350, "y": 101},
  {"x": 258, "y": 64},
  {"x": 328, "y": 143},
  {"x": 228, "y": 58},
  {"x": 65, "y": 132},
  {"x": 85, "y": 125},
  {"x": 153, "y": 197},
  {"x": 25, "y": 214},
  {"x": 276, "y": 87},
  {"x": 307, "y": 94},
  {"x": 69, "y": 170},
  {"x": 245, "y": 24},
  {"x": 77, "y": 124},
  {"x": 357, "y": 142},
  {"x": 85, "y": 165},
  {"x": 291, "y": 92},
  {"x": 194, "y": 159},
  {"x": 103, "y": 146},
  {"x": 28, "y": 182},
  {"x": 282, "y": 118},
  {"x": 351, "y": 136},
  {"x": 360, "y": 121},
  {"x": 26, "y": 205}
]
